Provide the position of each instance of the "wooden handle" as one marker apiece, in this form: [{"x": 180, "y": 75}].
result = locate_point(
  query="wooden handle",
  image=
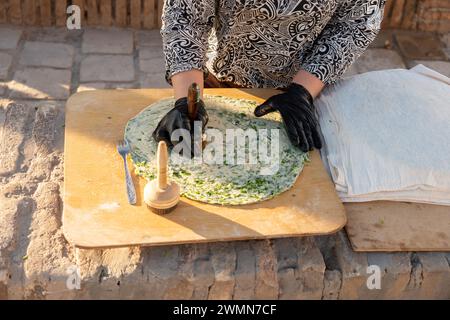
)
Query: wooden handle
[
  {"x": 160, "y": 194},
  {"x": 193, "y": 99},
  {"x": 162, "y": 159}
]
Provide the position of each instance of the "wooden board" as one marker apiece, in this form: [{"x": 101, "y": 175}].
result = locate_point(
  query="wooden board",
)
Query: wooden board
[
  {"x": 82, "y": 5},
  {"x": 96, "y": 211},
  {"x": 397, "y": 13},
  {"x": 15, "y": 11},
  {"x": 106, "y": 12},
  {"x": 3, "y": 9},
  {"x": 160, "y": 7},
  {"x": 121, "y": 13},
  {"x": 92, "y": 12},
  {"x": 29, "y": 11},
  {"x": 398, "y": 226},
  {"x": 46, "y": 12},
  {"x": 135, "y": 14},
  {"x": 409, "y": 20},
  {"x": 387, "y": 13},
  {"x": 3, "y": 17},
  {"x": 60, "y": 13},
  {"x": 149, "y": 14}
]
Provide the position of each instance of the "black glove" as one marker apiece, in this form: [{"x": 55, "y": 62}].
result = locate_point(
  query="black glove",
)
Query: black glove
[
  {"x": 178, "y": 118},
  {"x": 297, "y": 110}
]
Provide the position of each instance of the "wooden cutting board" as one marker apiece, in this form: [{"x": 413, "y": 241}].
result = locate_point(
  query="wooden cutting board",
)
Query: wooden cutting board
[
  {"x": 96, "y": 211},
  {"x": 398, "y": 226}
]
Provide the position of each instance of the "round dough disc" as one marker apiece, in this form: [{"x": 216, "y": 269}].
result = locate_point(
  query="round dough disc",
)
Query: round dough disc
[{"x": 223, "y": 183}]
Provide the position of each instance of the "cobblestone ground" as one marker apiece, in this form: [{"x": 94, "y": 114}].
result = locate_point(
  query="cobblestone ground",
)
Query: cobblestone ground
[{"x": 41, "y": 68}]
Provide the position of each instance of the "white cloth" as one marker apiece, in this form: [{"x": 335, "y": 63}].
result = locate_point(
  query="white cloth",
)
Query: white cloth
[{"x": 387, "y": 136}]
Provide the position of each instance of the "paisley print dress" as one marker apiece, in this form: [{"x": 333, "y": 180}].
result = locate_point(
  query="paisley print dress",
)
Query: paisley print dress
[{"x": 264, "y": 43}]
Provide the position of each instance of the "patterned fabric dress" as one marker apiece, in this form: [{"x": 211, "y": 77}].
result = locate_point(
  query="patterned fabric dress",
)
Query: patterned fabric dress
[{"x": 263, "y": 43}]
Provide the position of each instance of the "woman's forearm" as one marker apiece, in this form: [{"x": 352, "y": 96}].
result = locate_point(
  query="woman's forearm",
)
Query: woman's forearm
[
  {"x": 181, "y": 82},
  {"x": 309, "y": 81}
]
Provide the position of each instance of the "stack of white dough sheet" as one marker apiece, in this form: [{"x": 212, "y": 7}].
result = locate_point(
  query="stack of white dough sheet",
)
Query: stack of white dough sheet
[{"x": 387, "y": 136}]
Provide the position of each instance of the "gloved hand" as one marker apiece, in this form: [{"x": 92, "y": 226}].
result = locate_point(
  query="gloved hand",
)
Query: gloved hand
[
  {"x": 178, "y": 118},
  {"x": 297, "y": 110}
]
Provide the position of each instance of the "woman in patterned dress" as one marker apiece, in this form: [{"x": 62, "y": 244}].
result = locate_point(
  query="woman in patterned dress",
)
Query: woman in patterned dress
[{"x": 298, "y": 46}]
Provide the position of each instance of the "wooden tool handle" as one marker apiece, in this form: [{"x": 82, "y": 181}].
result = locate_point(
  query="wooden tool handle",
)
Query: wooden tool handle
[
  {"x": 193, "y": 99},
  {"x": 162, "y": 159}
]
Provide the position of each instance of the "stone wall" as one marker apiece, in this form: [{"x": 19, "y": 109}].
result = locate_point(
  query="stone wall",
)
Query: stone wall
[{"x": 423, "y": 15}]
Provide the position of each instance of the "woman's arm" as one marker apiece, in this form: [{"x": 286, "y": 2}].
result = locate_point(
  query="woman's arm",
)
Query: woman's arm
[
  {"x": 185, "y": 31},
  {"x": 309, "y": 81},
  {"x": 354, "y": 25},
  {"x": 181, "y": 82}
]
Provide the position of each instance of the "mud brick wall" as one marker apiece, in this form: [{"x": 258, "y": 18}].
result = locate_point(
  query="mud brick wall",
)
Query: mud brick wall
[
  {"x": 421, "y": 15},
  {"x": 138, "y": 14}
]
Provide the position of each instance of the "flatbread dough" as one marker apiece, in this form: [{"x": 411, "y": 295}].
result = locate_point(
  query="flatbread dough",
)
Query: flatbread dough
[{"x": 224, "y": 184}]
